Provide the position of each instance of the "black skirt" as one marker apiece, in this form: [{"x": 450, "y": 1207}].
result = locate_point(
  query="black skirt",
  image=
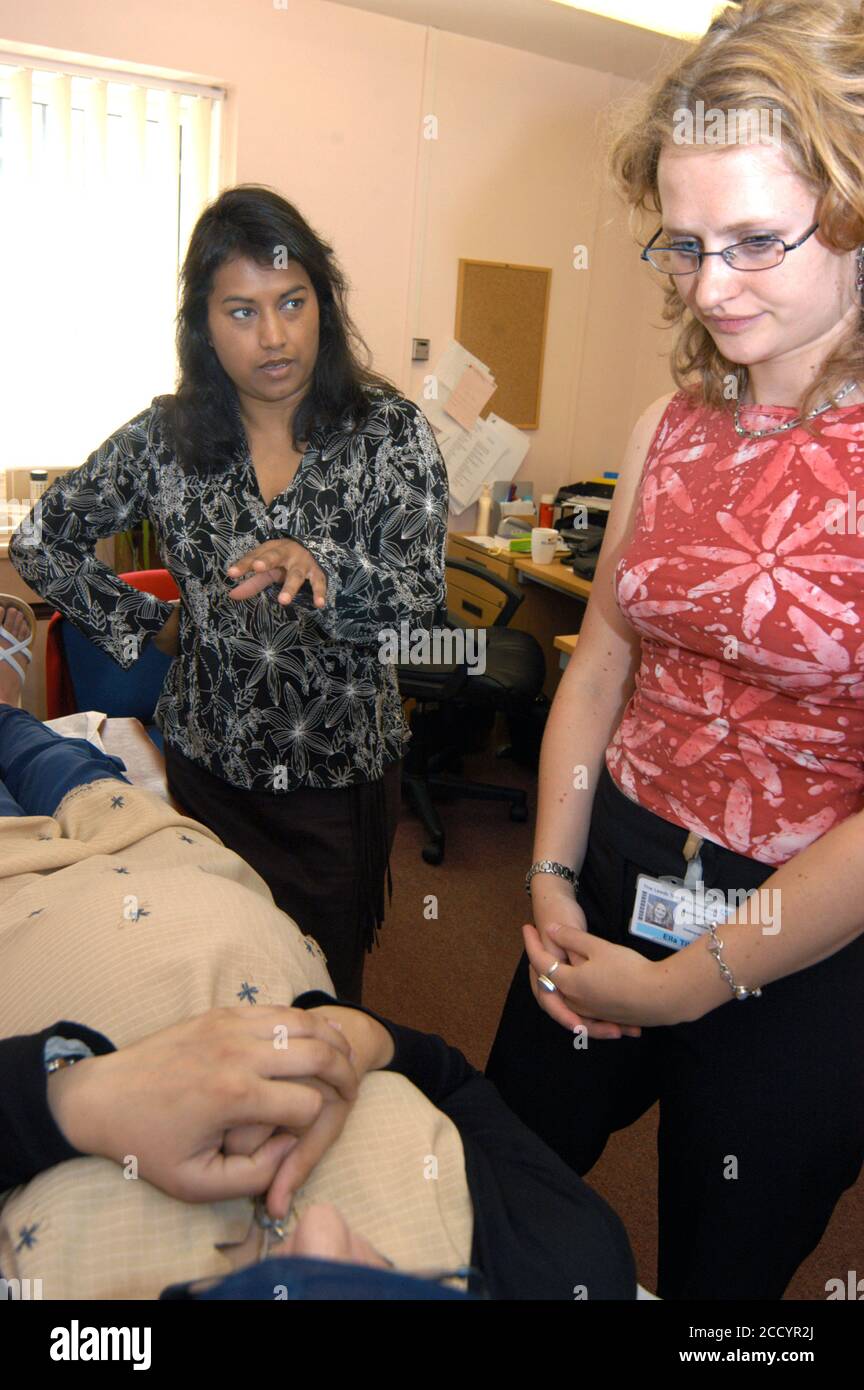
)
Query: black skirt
[{"x": 324, "y": 852}]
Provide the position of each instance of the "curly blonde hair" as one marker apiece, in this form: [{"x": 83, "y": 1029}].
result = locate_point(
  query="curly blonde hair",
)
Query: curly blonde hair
[{"x": 805, "y": 60}]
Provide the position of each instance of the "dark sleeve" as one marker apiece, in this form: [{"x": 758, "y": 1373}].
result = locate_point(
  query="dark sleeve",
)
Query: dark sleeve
[
  {"x": 54, "y": 549},
  {"x": 392, "y": 570},
  {"x": 540, "y": 1232},
  {"x": 30, "y": 1140}
]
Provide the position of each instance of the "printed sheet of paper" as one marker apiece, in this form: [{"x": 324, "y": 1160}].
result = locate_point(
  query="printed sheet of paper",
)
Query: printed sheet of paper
[
  {"x": 512, "y": 445},
  {"x": 491, "y": 452},
  {"x": 468, "y": 399}
]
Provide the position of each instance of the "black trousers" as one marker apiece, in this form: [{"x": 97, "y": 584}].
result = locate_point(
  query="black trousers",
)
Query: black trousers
[
  {"x": 761, "y": 1100},
  {"x": 323, "y": 852}
]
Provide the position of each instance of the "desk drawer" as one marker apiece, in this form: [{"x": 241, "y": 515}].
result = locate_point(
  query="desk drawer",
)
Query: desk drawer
[
  {"x": 475, "y": 555},
  {"x": 471, "y": 605},
  {"x": 503, "y": 568}
]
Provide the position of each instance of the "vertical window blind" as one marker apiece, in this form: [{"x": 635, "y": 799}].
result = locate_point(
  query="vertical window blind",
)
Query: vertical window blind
[{"x": 102, "y": 177}]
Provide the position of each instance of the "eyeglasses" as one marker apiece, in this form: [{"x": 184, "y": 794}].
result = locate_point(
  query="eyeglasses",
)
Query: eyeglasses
[{"x": 757, "y": 253}]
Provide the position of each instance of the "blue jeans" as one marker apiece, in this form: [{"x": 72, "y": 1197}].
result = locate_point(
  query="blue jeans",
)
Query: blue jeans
[
  {"x": 38, "y": 767},
  {"x": 297, "y": 1277}
]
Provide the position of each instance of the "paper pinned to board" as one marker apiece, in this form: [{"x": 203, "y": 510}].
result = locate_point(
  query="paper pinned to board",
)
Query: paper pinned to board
[
  {"x": 449, "y": 371},
  {"x": 453, "y": 362},
  {"x": 489, "y": 451},
  {"x": 468, "y": 399}
]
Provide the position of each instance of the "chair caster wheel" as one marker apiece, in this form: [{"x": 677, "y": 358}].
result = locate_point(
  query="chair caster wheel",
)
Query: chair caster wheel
[
  {"x": 519, "y": 813},
  {"x": 433, "y": 854}
]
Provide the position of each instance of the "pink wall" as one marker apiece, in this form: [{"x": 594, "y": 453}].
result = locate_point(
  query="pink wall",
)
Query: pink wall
[{"x": 326, "y": 104}]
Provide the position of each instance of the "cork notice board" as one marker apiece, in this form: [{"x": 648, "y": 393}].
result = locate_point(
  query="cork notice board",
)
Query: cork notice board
[{"x": 501, "y": 313}]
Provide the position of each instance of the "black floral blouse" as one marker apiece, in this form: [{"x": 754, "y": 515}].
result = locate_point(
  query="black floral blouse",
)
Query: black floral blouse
[{"x": 267, "y": 697}]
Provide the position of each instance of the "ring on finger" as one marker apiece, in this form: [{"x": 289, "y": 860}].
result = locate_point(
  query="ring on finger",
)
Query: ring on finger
[{"x": 547, "y": 984}]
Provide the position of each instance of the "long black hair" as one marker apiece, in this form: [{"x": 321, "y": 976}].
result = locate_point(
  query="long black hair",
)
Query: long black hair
[{"x": 203, "y": 415}]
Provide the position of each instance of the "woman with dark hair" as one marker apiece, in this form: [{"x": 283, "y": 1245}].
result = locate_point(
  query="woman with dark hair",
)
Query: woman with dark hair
[{"x": 285, "y": 464}]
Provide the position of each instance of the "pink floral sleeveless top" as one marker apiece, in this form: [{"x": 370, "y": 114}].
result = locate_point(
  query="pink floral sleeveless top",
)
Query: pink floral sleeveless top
[{"x": 747, "y": 720}]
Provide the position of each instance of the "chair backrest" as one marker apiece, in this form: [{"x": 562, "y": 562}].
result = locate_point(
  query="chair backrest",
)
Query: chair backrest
[
  {"x": 79, "y": 676},
  {"x": 444, "y": 675}
]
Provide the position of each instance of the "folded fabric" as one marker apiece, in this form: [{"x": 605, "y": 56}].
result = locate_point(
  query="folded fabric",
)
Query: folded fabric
[{"x": 84, "y": 724}]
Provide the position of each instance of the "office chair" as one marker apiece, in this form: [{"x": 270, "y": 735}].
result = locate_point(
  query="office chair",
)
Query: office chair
[
  {"x": 514, "y": 676},
  {"x": 79, "y": 676}
]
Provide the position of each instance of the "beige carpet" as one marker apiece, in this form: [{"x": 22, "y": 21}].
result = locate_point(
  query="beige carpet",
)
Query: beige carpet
[{"x": 449, "y": 975}]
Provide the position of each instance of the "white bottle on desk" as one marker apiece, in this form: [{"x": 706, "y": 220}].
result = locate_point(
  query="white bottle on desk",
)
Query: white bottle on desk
[
  {"x": 38, "y": 484},
  {"x": 484, "y": 511}
]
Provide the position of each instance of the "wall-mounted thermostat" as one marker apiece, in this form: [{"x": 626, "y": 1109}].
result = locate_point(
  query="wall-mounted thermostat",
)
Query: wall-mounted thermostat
[{"x": 420, "y": 350}]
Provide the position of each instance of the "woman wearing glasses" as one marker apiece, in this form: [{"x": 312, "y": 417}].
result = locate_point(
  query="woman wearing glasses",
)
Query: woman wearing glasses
[{"x": 708, "y": 736}]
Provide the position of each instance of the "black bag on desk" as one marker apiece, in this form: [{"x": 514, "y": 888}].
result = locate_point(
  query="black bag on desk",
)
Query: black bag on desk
[{"x": 584, "y": 543}]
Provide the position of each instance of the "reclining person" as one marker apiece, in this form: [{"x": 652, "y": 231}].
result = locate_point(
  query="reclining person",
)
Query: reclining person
[{"x": 214, "y": 1067}]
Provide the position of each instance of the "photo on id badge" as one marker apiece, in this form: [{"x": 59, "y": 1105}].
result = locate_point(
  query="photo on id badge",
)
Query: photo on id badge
[{"x": 666, "y": 913}]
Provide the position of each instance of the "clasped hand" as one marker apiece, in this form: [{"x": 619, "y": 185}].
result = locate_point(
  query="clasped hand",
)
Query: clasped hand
[
  {"x": 282, "y": 562},
  {"x": 236, "y": 1102},
  {"x": 606, "y": 989}
]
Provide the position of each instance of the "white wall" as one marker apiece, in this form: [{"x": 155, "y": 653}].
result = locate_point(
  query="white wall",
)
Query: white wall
[{"x": 326, "y": 104}]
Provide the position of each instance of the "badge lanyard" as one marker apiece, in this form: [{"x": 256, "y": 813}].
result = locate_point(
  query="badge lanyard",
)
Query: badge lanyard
[{"x": 692, "y": 846}]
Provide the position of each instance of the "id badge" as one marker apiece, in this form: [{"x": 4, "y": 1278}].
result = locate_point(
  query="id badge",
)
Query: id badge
[{"x": 672, "y": 915}]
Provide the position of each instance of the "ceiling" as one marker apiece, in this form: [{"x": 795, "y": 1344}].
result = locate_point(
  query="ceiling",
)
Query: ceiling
[{"x": 538, "y": 26}]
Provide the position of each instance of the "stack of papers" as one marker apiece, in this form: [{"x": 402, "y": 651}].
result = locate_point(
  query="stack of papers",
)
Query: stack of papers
[
  {"x": 476, "y": 451},
  {"x": 491, "y": 542}
]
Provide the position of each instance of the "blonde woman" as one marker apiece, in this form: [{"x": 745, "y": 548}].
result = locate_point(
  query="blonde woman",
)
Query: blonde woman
[{"x": 711, "y": 725}]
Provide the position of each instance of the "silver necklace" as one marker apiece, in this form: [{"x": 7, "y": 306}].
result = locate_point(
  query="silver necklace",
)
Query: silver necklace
[{"x": 792, "y": 424}]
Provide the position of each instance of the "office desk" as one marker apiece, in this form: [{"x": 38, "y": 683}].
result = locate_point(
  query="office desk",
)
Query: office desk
[
  {"x": 555, "y": 576},
  {"x": 566, "y": 646},
  {"x": 554, "y": 601}
]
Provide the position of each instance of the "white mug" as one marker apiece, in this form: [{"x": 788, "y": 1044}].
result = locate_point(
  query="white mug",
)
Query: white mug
[{"x": 544, "y": 542}]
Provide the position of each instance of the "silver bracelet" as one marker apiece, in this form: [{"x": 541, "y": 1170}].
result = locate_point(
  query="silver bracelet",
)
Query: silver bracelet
[
  {"x": 715, "y": 946},
  {"x": 551, "y": 866}
]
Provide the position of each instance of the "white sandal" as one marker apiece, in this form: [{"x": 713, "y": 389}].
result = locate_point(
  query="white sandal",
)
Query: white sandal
[{"x": 20, "y": 646}]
